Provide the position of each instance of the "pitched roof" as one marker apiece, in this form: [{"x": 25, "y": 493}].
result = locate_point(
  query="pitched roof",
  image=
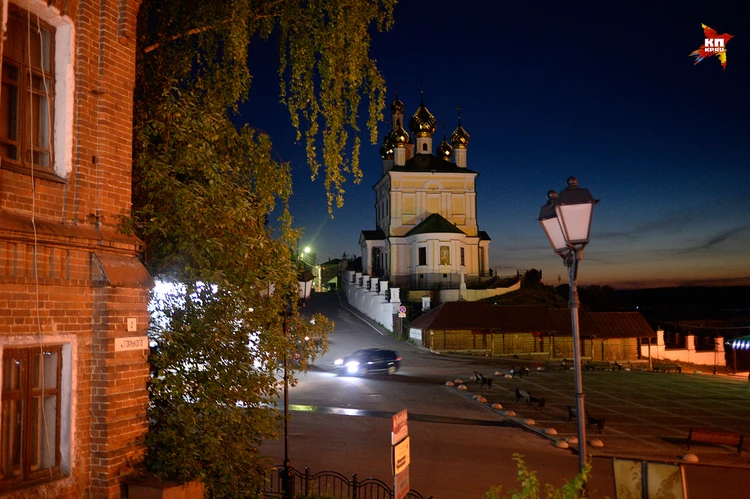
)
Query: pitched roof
[
  {"x": 456, "y": 315},
  {"x": 483, "y": 316},
  {"x": 435, "y": 224},
  {"x": 622, "y": 325},
  {"x": 373, "y": 235},
  {"x": 478, "y": 315},
  {"x": 430, "y": 163},
  {"x": 564, "y": 324}
]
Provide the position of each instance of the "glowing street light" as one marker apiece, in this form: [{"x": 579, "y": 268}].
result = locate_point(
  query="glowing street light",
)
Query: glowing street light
[{"x": 566, "y": 220}]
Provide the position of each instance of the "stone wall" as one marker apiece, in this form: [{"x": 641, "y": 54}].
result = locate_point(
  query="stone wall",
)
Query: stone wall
[{"x": 371, "y": 296}]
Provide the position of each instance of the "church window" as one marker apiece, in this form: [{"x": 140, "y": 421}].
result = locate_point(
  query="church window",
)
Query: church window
[
  {"x": 422, "y": 256},
  {"x": 462, "y": 258}
]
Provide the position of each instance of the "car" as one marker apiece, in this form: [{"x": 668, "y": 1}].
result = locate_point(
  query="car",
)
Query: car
[{"x": 369, "y": 360}]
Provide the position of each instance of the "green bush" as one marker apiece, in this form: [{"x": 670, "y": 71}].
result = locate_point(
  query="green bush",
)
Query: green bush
[{"x": 530, "y": 487}]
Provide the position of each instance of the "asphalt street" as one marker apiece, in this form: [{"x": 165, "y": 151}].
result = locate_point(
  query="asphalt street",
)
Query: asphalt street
[{"x": 459, "y": 448}]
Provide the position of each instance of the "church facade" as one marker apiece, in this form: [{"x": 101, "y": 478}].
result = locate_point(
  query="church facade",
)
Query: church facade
[{"x": 426, "y": 232}]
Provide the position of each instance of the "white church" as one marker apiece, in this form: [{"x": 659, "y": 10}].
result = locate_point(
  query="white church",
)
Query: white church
[{"x": 426, "y": 232}]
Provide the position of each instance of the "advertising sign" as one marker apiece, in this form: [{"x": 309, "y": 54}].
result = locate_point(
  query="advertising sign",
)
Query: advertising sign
[
  {"x": 399, "y": 428},
  {"x": 401, "y": 485},
  {"x": 401, "y": 456}
]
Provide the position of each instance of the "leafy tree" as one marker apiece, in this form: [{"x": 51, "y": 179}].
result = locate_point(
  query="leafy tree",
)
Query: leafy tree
[
  {"x": 532, "y": 279},
  {"x": 203, "y": 195}
]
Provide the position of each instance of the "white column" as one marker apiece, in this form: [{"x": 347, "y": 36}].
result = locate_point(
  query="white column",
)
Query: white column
[
  {"x": 425, "y": 303},
  {"x": 395, "y": 295},
  {"x": 660, "y": 337},
  {"x": 719, "y": 344}
]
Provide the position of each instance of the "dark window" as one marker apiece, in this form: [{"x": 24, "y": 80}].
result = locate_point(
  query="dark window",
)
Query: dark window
[
  {"x": 30, "y": 414},
  {"x": 422, "y": 256},
  {"x": 28, "y": 85},
  {"x": 462, "y": 257}
]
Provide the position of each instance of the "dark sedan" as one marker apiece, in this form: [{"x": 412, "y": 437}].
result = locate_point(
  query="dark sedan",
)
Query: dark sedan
[{"x": 369, "y": 360}]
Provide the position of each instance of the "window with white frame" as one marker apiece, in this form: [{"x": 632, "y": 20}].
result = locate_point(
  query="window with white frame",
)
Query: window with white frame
[
  {"x": 36, "y": 96},
  {"x": 27, "y": 87},
  {"x": 30, "y": 414}
]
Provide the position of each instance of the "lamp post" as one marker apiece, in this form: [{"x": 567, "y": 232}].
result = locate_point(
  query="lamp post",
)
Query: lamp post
[
  {"x": 288, "y": 478},
  {"x": 566, "y": 220}
]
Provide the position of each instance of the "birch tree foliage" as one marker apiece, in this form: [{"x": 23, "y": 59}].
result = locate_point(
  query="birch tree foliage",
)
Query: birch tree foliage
[
  {"x": 324, "y": 66},
  {"x": 203, "y": 192}
]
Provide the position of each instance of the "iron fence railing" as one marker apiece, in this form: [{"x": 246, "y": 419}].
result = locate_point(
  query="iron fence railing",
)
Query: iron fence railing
[{"x": 328, "y": 483}]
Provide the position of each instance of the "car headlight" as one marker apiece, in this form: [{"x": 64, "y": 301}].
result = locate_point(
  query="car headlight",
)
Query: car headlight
[
  {"x": 352, "y": 366},
  {"x": 338, "y": 362}
]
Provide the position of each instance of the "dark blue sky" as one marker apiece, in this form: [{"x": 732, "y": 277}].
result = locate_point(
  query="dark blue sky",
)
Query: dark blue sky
[{"x": 607, "y": 94}]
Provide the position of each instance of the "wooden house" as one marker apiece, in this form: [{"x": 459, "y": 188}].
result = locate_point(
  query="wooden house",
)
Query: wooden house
[{"x": 529, "y": 331}]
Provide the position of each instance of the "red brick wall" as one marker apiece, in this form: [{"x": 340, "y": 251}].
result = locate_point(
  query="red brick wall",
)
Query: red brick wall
[{"x": 66, "y": 221}]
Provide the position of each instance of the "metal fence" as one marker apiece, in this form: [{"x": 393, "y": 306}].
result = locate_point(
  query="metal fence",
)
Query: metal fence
[{"x": 330, "y": 484}]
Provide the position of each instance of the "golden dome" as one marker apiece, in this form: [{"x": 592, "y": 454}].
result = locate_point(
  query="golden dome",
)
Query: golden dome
[
  {"x": 423, "y": 123},
  {"x": 400, "y": 136},
  {"x": 397, "y": 107},
  {"x": 460, "y": 137},
  {"x": 386, "y": 149},
  {"x": 445, "y": 150}
]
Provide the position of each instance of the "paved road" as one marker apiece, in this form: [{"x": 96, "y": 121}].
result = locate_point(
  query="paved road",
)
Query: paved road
[{"x": 458, "y": 447}]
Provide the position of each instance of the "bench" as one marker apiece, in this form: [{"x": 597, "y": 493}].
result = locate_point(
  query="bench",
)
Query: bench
[
  {"x": 530, "y": 399},
  {"x": 520, "y": 372},
  {"x": 716, "y": 437},
  {"x": 590, "y": 420},
  {"x": 479, "y": 377},
  {"x": 556, "y": 365},
  {"x": 602, "y": 366},
  {"x": 667, "y": 367}
]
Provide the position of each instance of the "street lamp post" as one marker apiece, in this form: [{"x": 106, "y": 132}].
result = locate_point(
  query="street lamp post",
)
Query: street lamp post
[
  {"x": 288, "y": 480},
  {"x": 566, "y": 220}
]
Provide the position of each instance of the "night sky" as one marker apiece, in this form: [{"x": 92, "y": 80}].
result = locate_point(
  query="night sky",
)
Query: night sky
[{"x": 607, "y": 94}]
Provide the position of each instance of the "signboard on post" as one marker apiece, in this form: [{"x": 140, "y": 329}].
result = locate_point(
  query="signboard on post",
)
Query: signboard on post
[
  {"x": 401, "y": 311},
  {"x": 400, "y": 454},
  {"x": 399, "y": 427},
  {"x": 401, "y": 485}
]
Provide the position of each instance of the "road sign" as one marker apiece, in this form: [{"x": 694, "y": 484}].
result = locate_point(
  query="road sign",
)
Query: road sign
[{"x": 402, "y": 311}]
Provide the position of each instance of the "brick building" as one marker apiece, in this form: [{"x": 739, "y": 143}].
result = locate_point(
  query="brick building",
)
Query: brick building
[{"x": 73, "y": 295}]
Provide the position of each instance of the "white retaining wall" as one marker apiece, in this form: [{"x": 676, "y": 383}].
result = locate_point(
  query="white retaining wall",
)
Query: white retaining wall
[
  {"x": 714, "y": 357},
  {"x": 371, "y": 302}
]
